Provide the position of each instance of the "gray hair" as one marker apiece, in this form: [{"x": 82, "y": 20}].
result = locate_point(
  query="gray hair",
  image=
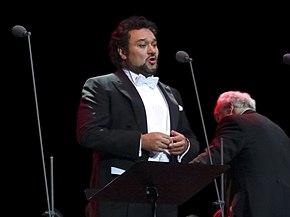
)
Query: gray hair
[{"x": 238, "y": 99}]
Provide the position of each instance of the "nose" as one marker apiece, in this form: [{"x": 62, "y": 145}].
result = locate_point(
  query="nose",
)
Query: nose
[{"x": 152, "y": 49}]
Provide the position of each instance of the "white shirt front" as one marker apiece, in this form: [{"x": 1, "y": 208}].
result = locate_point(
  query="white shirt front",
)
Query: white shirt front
[{"x": 157, "y": 112}]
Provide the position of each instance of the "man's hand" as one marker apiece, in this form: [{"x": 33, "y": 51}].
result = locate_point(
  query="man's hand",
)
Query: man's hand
[{"x": 179, "y": 143}]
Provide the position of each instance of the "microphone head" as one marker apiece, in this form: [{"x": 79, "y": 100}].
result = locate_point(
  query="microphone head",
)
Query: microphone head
[
  {"x": 182, "y": 57},
  {"x": 19, "y": 31},
  {"x": 286, "y": 58}
]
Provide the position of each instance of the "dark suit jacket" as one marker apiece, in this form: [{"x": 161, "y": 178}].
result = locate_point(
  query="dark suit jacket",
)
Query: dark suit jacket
[
  {"x": 258, "y": 152},
  {"x": 111, "y": 119}
]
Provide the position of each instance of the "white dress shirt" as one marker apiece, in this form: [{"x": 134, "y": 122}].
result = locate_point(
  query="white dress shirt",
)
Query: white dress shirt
[{"x": 157, "y": 112}]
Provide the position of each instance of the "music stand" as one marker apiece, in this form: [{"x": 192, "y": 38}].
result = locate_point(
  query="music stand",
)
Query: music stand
[{"x": 165, "y": 183}]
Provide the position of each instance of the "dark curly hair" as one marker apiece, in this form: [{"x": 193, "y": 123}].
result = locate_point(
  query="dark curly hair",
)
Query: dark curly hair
[{"x": 120, "y": 36}]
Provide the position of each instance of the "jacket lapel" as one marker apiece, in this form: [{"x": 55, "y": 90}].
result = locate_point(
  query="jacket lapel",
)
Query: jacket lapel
[
  {"x": 125, "y": 86},
  {"x": 172, "y": 104}
]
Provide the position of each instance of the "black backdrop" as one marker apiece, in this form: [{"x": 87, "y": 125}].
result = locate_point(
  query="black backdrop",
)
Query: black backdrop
[{"x": 232, "y": 47}]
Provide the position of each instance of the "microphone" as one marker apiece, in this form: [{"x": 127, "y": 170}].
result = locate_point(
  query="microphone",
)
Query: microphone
[
  {"x": 20, "y": 31},
  {"x": 286, "y": 59},
  {"x": 182, "y": 57}
]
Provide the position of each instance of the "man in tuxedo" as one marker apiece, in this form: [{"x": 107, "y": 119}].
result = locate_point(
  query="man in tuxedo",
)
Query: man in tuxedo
[
  {"x": 258, "y": 152},
  {"x": 130, "y": 116}
]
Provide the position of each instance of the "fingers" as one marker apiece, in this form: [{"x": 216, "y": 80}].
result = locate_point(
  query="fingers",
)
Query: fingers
[
  {"x": 178, "y": 146},
  {"x": 167, "y": 141}
]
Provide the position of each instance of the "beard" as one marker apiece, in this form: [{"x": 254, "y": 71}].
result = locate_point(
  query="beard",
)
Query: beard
[{"x": 146, "y": 69}]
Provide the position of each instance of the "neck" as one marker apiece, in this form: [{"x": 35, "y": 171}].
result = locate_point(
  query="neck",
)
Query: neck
[{"x": 243, "y": 110}]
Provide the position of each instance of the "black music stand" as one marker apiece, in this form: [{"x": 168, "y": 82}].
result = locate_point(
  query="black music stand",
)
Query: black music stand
[{"x": 158, "y": 182}]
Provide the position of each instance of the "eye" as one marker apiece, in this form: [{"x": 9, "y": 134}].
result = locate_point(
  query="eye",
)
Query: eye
[{"x": 142, "y": 45}]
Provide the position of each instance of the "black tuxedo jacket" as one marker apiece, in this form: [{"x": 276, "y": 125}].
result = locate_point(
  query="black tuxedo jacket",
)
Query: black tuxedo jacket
[
  {"x": 111, "y": 119},
  {"x": 258, "y": 151}
]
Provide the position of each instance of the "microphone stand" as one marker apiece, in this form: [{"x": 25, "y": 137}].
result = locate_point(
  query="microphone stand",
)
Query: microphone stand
[
  {"x": 52, "y": 211},
  {"x": 152, "y": 195},
  {"x": 20, "y": 31},
  {"x": 220, "y": 202}
]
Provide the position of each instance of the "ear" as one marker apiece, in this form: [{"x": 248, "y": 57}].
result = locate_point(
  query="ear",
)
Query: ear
[
  {"x": 122, "y": 54},
  {"x": 231, "y": 108}
]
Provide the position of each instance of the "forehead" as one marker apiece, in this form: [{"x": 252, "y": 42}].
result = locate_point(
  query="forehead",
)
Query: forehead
[{"x": 141, "y": 34}]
